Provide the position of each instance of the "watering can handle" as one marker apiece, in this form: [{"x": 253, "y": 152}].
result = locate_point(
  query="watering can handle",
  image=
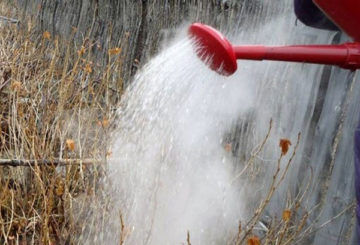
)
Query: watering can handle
[{"x": 345, "y": 55}]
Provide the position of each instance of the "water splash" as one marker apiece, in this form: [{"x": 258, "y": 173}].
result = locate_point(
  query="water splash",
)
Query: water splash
[{"x": 171, "y": 166}]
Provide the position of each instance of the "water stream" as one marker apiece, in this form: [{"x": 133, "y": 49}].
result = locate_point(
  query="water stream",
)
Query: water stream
[{"x": 185, "y": 133}]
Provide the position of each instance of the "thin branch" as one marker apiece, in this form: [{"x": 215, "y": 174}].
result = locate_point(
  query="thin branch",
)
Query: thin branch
[
  {"x": 11, "y": 20},
  {"x": 28, "y": 163},
  {"x": 253, "y": 155},
  {"x": 188, "y": 238}
]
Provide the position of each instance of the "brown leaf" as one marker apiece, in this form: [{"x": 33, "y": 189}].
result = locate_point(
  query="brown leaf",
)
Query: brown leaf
[
  {"x": 105, "y": 123},
  {"x": 16, "y": 86},
  {"x": 81, "y": 51},
  {"x": 253, "y": 240},
  {"x": 284, "y": 145},
  {"x": 114, "y": 51},
  {"x": 70, "y": 144},
  {"x": 60, "y": 187},
  {"x": 286, "y": 215},
  {"x": 88, "y": 68},
  {"x": 46, "y": 35}
]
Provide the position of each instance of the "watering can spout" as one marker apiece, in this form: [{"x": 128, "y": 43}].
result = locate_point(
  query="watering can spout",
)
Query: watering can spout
[{"x": 221, "y": 56}]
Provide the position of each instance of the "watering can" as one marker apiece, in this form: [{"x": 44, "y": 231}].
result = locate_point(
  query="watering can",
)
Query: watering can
[{"x": 222, "y": 56}]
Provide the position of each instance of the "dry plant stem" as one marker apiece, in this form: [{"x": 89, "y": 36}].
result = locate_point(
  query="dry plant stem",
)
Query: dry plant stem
[
  {"x": 55, "y": 162},
  {"x": 283, "y": 232},
  {"x": 188, "y": 238},
  {"x": 274, "y": 185},
  {"x": 310, "y": 229},
  {"x": 46, "y": 99},
  {"x": 253, "y": 155},
  {"x": 289, "y": 162},
  {"x": 122, "y": 230},
  {"x": 10, "y": 20}
]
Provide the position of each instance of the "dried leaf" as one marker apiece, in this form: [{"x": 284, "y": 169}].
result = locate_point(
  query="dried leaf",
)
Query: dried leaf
[
  {"x": 81, "y": 51},
  {"x": 70, "y": 144},
  {"x": 46, "y": 35},
  {"x": 286, "y": 215},
  {"x": 88, "y": 68},
  {"x": 105, "y": 123},
  {"x": 109, "y": 154},
  {"x": 60, "y": 187},
  {"x": 16, "y": 86},
  {"x": 114, "y": 51},
  {"x": 253, "y": 240},
  {"x": 284, "y": 145}
]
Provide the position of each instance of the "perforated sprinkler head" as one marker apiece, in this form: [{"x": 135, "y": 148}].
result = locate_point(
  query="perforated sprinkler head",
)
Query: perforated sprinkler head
[{"x": 214, "y": 49}]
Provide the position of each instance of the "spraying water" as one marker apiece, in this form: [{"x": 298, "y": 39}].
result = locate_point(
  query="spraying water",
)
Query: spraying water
[
  {"x": 175, "y": 172},
  {"x": 171, "y": 165}
]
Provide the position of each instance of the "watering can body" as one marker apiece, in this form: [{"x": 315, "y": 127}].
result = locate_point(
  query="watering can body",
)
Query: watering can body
[
  {"x": 344, "y": 13},
  {"x": 330, "y": 15}
]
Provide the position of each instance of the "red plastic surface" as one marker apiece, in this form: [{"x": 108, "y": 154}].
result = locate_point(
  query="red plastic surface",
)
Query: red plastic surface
[
  {"x": 344, "y": 13},
  {"x": 222, "y": 55},
  {"x": 344, "y": 55},
  {"x": 214, "y": 49}
]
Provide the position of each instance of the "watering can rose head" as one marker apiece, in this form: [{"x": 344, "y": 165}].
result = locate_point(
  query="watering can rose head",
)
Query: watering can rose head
[{"x": 214, "y": 49}]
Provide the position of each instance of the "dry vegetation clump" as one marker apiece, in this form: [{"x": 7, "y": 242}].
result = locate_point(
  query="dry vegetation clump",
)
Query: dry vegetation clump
[
  {"x": 56, "y": 104},
  {"x": 297, "y": 222}
]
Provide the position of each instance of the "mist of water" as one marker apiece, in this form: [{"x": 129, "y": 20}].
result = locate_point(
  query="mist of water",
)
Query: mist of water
[{"x": 171, "y": 166}]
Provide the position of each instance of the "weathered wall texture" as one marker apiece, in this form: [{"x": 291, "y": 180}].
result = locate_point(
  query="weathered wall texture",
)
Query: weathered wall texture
[{"x": 136, "y": 25}]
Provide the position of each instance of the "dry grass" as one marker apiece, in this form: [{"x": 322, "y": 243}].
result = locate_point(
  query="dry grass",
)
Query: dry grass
[{"x": 56, "y": 104}]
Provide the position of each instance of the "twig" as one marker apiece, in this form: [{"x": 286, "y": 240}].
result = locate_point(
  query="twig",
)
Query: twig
[
  {"x": 188, "y": 238},
  {"x": 11, "y": 20},
  {"x": 28, "y": 163},
  {"x": 122, "y": 230},
  {"x": 273, "y": 187},
  {"x": 4, "y": 84},
  {"x": 253, "y": 155}
]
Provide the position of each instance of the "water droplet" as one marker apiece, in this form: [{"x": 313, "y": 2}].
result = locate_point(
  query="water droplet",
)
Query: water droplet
[{"x": 337, "y": 108}]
